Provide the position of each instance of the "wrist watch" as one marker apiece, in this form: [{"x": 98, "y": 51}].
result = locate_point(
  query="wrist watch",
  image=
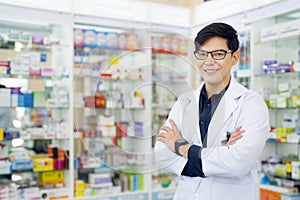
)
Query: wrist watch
[{"x": 179, "y": 143}]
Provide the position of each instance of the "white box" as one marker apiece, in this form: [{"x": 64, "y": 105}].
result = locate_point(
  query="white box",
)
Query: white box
[
  {"x": 270, "y": 33},
  {"x": 290, "y": 28},
  {"x": 5, "y": 97},
  {"x": 295, "y": 170}
]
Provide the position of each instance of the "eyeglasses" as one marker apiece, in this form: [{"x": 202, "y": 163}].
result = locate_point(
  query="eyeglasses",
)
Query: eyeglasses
[{"x": 216, "y": 54}]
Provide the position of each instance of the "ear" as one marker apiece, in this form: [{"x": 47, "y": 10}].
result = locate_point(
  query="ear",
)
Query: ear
[{"x": 235, "y": 57}]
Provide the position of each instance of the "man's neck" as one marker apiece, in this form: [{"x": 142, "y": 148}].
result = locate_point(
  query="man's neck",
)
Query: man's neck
[{"x": 215, "y": 89}]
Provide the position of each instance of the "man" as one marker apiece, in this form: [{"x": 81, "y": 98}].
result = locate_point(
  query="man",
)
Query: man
[{"x": 201, "y": 140}]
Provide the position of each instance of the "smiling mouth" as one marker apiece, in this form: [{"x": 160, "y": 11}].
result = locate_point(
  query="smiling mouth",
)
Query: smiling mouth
[{"x": 211, "y": 70}]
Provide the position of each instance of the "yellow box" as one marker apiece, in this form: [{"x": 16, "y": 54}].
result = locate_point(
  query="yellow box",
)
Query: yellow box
[
  {"x": 1, "y": 134},
  {"x": 43, "y": 164},
  {"x": 46, "y": 176},
  {"x": 52, "y": 176}
]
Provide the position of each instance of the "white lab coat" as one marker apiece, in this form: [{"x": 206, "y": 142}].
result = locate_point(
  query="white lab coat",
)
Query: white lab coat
[{"x": 231, "y": 173}]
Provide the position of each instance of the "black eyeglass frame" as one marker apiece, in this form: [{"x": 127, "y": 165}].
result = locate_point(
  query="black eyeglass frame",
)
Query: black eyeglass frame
[{"x": 211, "y": 53}]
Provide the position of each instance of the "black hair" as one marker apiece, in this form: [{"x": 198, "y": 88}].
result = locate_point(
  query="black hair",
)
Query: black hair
[{"x": 218, "y": 30}]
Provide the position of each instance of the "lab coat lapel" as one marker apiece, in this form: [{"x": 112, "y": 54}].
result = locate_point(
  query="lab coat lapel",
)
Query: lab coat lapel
[
  {"x": 190, "y": 123},
  {"x": 226, "y": 106}
]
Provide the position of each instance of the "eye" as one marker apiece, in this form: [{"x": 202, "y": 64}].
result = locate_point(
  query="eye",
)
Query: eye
[
  {"x": 218, "y": 53},
  {"x": 202, "y": 54}
]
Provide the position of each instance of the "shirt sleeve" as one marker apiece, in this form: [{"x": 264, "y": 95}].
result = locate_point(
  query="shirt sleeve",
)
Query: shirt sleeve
[{"x": 193, "y": 167}]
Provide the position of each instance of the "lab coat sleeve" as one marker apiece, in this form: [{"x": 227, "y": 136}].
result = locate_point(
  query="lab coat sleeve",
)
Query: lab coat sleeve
[
  {"x": 164, "y": 157},
  {"x": 241, "y": 157}
]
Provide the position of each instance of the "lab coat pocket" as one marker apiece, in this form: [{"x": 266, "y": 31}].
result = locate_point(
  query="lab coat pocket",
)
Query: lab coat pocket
[{"x": 232, "y": 191}]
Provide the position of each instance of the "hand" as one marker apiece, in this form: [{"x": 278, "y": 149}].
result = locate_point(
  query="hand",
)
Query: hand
[
  {"x": 237, "y": 134},
  {"x": 169, "y": 135}
]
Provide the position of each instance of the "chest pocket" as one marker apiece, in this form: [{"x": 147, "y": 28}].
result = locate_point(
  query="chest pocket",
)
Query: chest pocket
[{"x": 229, "y": 127}]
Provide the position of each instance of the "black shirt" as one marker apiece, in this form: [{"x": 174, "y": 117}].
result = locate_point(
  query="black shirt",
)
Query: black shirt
[{"x": 207, "y": 108}]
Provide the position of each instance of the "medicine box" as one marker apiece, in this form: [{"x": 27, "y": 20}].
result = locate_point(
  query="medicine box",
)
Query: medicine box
[
  {"x": 52, "y": 176},
  {"x": 5, "y": 167},
  {"x": 156, "y": 44},
  {"x": 5, "y": 97},
  {"x": 22, "y": 164},
  {"x": 25, "y": 100},
  {"x": 111, "y": 40},
  {"x": 290, "y": 196},
  {"x": 3, "y": 150},
  {"x": 39, "y": 99},
  {"x": 166, "y": 44},
  {"x": 43, "y": 164},
  {"x": 78, "y": 38},
  {"x": 1, "y": 134},
  {"x": 132, "y": 41},
  {"x": 101, "y": 40},
  {"x": 183, "y": 46},
  {"x": 90, "y": 38}
]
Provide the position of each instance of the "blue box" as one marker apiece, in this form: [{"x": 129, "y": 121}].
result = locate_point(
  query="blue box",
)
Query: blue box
[
  {"x": 11, "y": 134},
  {"x": 22, "y": 164},
  {"x": 25, "y": 100}
]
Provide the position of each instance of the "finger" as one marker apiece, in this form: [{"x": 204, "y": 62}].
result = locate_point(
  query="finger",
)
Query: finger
[
  {"x": 237, "y": 135},
  {"x": 173, "y": 124},
  {"x": 160, "y": 139},
  {"x": 165, "y": 128},
  {"x": 236, "y": 138}
]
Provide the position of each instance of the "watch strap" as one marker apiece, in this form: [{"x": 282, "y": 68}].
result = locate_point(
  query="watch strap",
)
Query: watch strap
[{"x": 179, "y": 143}]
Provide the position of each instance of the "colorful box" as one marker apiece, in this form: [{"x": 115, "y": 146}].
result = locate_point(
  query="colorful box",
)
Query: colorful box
[
  {"x": 111, "y": 40},
  {"x": 122, "y": 41},
  {"x": 78, "y": 37},
  {"x": 22, "y": 164},
  {"x": 52, "y": 177},
  {"x": 166, "y": 44},
  {"x": 1, "y": 134},
  {"x": 101, "y": 40},
  {"x": 39, "y": 99},
  {"x": 25, "y": 100},
  {"x": 156, "y": 44},
  {"x": 132, "y": 41},
  {"x": 183, "y": 46},
  {"x": 90, "y": 38},
  {"x": 43, "y": 164}
]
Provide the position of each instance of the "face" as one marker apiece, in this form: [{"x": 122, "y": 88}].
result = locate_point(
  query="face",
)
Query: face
[{"x": 216, "y": 73}]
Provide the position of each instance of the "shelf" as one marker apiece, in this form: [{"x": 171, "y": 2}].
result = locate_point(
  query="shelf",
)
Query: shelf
[
  {"x": 31, "y": 77},
  {"x": 278, "y": 74},
  {"x": 280, "y": 41},
  {"x": 78, "y": 75},
  {"x": 46, "y": 107},
  {"x": 291, "y": 108},
  {"x": 274, "y": 141},
  {"x": 282, "y": 177},
  {"x": 140, "y": 195},
  {"x": 130, "y": 108}
]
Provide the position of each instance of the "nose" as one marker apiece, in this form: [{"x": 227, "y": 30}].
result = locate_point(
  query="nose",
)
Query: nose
[{"x": 209, "y": 59}]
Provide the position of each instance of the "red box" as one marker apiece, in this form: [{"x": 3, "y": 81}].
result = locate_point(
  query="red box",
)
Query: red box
[{"x": 59, "y": 164}]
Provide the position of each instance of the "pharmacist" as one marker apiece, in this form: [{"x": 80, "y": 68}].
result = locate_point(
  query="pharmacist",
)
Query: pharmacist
[{"x": 193, "y": 143}]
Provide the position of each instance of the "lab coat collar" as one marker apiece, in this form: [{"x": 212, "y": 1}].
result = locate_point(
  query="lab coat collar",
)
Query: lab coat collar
[{"x": 226, "y": 106}]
